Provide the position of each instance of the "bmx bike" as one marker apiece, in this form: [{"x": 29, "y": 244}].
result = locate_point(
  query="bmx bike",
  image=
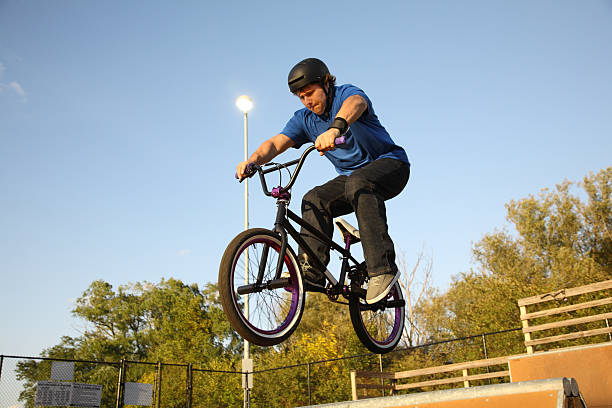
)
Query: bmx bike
[{"x": 263, "y": 291}]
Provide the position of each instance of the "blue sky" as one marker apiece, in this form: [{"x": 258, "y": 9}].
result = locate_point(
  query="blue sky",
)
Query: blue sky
[{"x": 119, "y": 135}]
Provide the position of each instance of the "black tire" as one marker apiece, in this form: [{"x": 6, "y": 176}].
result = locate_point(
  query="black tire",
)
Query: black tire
[
  {"x": 273, "y": 314},
  {"x": 378, "y": 327}
]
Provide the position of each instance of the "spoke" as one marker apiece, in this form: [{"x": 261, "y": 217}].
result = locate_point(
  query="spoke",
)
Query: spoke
[
  {"x": 268, "y": 309},
  {"x": 380, "y": 323}
]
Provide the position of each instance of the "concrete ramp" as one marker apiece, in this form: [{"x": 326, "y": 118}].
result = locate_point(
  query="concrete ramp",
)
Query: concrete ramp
[
  {"x": 549, "y": 393},
  {"x": 590, "y": 365}
]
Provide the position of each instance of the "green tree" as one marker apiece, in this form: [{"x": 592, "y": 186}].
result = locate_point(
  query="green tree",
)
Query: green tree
[
  {"x": 562, "y": 239},
  {"x": 169, "y": 322}
]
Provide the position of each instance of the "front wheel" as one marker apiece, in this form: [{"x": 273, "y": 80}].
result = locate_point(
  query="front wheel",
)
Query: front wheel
[
  {"x": 379, "y": 326},
  {"x": 265, "y": 312}
]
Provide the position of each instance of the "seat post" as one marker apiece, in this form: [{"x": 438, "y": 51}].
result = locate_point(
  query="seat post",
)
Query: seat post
[
  {"x": 347, "y": 242},
  {"x": 345, "y": 261}
]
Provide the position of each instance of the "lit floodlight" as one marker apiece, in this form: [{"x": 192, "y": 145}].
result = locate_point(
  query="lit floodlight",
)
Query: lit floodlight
[{"x": 244, "y": 103}]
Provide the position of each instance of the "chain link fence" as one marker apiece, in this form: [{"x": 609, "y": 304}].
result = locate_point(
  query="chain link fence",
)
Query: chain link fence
[{"x": 25, "y": 380}]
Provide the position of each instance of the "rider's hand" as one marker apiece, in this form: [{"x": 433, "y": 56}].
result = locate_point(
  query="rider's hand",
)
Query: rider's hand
[
  {"x": 325, "y": 141},
  {"x": 241, "y": 169}
]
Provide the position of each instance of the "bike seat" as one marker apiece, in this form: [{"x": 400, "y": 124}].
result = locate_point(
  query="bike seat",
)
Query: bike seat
[{"x": 347, "y": 230}]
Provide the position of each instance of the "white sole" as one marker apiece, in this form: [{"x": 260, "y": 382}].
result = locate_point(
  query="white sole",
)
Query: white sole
[{"x": 384, "y": 292}]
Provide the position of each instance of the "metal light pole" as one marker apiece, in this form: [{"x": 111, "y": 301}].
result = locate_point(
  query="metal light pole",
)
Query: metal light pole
[{"x": 244, "y": 103}]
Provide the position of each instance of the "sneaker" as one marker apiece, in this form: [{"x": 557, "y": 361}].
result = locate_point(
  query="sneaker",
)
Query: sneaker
[
  {"x": 309, "y": 273},
  {"x": 379, "y": 286}
]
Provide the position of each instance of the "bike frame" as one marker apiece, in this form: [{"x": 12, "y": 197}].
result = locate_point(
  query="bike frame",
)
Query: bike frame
[{"x": 283, "y": 227}]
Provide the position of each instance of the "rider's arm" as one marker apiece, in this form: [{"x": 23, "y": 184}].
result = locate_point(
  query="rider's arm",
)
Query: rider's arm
[
  {"x": 351, "y": 110},
  {"x": 266, "y": 152}
]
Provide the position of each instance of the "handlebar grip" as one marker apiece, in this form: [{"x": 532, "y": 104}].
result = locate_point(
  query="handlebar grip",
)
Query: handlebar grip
[
  {"x": 340, "y": 140},
  {"x": 250, "y": 170}
]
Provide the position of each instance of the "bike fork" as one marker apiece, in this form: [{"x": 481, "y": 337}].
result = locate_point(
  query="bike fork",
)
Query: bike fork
[
  {"x": 281, "y": 214},
  {"x": 282, "y": 209}
]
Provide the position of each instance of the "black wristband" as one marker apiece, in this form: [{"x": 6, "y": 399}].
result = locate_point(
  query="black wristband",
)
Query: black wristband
[{"x": 339, "y": 123}]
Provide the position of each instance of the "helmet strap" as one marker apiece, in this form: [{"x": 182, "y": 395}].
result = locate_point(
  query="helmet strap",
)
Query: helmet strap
[{"x": 329, "y": 96}]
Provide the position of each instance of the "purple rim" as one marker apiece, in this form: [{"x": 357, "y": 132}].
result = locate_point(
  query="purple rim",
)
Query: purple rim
[
  {"x": 396, "y": 324},
  {"x": 293, "y": 289}
]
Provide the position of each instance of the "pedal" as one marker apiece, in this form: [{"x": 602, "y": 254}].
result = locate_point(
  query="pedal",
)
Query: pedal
[{"x": 278, "y": 283}]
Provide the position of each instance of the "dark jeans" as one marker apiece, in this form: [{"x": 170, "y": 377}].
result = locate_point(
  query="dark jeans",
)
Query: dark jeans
[{"x": 364, "y": 192}]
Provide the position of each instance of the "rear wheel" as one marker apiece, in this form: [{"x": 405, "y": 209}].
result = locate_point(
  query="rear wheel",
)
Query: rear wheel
[
  {"x": 268, "y": 314},
  {"x": 379, "y": 326}
]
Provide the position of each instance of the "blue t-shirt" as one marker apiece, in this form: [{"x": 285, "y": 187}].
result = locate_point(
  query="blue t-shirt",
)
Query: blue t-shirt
[{"x": 367, "y": 139}]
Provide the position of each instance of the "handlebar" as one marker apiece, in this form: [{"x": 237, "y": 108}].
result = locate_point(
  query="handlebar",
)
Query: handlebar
[{"x": 253, "y": 168}]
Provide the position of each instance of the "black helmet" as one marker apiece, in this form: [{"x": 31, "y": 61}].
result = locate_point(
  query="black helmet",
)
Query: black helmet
[{"x": 306, "y": 72}]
